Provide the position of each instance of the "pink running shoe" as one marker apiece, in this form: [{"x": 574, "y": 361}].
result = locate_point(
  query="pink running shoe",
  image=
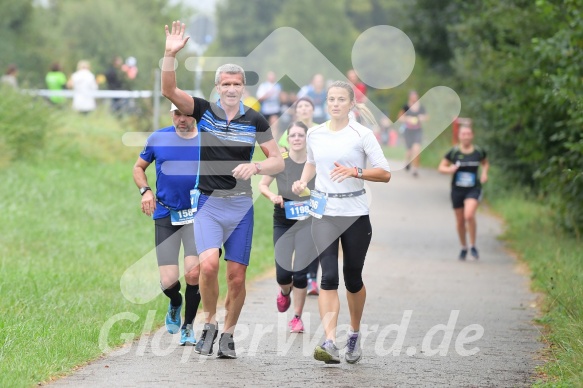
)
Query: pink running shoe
[
  {"x": 296, "y": 325},
  {"x": 283, "y": 302},
  {"x": 313, "y": 287}
]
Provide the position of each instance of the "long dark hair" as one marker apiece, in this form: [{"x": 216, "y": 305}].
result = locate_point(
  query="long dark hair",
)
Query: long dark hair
[{"x": 297, "y": 124}]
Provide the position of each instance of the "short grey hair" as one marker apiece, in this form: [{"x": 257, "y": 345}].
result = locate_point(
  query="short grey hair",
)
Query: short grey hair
[{"x": 230, "y": 69}]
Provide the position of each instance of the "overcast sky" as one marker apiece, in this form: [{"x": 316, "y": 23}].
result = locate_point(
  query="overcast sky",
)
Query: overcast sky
[{"x": 207, "y": 6}]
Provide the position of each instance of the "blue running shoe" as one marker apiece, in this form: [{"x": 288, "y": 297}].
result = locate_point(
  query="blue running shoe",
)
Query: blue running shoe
[
  {"x": 474, "y": 253},
  {"x": 187, "y": 336},
  {"x": 173, "y": 319},
  {"x": 463, "y": 254}
]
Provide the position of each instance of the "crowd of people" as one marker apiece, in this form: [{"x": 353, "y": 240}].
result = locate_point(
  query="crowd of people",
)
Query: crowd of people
[{"x": 83, "y": 82}]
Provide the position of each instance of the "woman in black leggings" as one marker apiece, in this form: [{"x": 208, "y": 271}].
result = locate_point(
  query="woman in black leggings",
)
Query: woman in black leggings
[
  {"x": 338, "y": 153},
  {"x": 292, "y": 238}
]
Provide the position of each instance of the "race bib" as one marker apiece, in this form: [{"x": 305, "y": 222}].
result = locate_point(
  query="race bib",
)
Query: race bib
[
  {"x": 297, "y": 210},
  {"x": 318, "y": 202},
  {"x": 465, "y": 179},
  {"x": 182, "y": 217}
]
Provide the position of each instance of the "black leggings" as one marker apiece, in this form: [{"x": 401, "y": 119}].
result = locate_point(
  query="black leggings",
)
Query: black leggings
[
  {"x": 294, "y": 251},
  {"x": 354, "y": 233}
]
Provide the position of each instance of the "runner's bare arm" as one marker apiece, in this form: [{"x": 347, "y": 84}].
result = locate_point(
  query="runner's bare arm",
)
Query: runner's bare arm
[
  {"x": 446, "y": 167},
  {"x": 175, "y": 41},
  {"x": 485, "y": 168},
  {"x": 274, "y": 163},
  {"x": 148, "y": 200},
  {"x": 266, "y": 180}
]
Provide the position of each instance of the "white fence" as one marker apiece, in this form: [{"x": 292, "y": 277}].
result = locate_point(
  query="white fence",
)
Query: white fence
[{"x": 154, "y": 94}]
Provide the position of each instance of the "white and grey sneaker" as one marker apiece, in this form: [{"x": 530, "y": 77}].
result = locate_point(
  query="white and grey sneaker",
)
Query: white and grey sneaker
[
  {"x": 353, "y": 350},
  {"x": 204, "y": 346},
  {"x": 226, "y": 346},
  {"x": 327, "y": 352}
]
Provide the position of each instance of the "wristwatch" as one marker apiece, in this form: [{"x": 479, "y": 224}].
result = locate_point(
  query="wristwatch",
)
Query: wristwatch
[
  {"x": 359, "y": 172},
  {"x": 257, "y": 168},
  {"x": 144, "y": 189}
]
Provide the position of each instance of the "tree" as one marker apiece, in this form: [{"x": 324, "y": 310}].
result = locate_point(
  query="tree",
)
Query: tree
[{"x": 520, "y": 64}]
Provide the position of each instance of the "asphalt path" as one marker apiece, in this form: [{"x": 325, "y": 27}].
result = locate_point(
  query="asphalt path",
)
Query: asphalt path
[{"x": 430, "y": 320}]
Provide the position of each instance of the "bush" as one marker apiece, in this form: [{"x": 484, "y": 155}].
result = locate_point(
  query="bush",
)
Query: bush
[{"x": 25, "y": 123}]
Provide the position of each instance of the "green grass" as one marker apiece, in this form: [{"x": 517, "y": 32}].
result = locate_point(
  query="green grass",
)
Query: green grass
[
  {"x": 556, "y": 262},
  {"x": 71, "y": 227}
]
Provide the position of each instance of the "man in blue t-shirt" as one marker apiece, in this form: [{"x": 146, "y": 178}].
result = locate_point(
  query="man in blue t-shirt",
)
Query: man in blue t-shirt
[
  {"x": 176, "y": 151},
  {"x": 228, "y": 131}
]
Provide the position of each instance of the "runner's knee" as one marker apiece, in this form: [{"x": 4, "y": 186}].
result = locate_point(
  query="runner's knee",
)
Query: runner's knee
[
  {"x": 329, "y": 282},
  {"x": 191, "y": 276},
  {"x": 301, "y": 279},
  {"x": 209, "y": 267}
]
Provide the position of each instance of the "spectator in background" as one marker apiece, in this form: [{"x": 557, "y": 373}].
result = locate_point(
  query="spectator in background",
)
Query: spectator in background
[
  {"x": 130, "y": 68},
  {"x": 56, "y": 80},
  {"x": 268, "y": 94},
  {"x": 359, "y": 87},
  {"x": 316, "y": 90},
  {"x": 115, "y": 78},
  {"x": 9, "y": 77},
  {"x": 286, "y": 100},
  {"x": 83, "y": 84}
]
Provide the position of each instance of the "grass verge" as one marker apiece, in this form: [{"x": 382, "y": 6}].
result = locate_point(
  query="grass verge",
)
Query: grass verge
[{"x": 556, "y": 263}]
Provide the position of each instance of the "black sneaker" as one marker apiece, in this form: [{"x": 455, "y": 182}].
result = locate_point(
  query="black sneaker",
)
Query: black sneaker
[
  {"x": 463, "y": 254},
  {"x": 474, "y": 253},
  {"x": 204, "y": 345},
  {"x": 226, "y": 346}
]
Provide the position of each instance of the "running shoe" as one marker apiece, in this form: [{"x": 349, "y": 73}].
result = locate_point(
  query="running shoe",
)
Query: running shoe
[
  {"x": 173, "y": 319},
  {"x": 474, "y": 253},
  {"x": 226, "y": 346},
  {"x": 187, "y": 336},
  {"x": 463, "y": 254},
  {"x": 283, "y": 301},
  {"x": 204, "y": 346},
  {"x": 353, "y": 352},
  {"x": 313, "y": 287},
  {"x": 296, "y": 325},
  {"x": 327, "y": 352}
]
